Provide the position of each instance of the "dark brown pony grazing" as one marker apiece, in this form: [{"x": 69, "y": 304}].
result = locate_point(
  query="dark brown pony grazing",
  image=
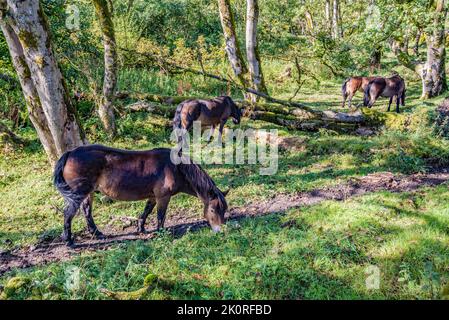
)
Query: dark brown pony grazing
[
  {"x": 385, "y": 87},
  {"x": 211, "y": 112},
  {"x": 352, "y": 85},
  {"x": 130, "y": 176}
]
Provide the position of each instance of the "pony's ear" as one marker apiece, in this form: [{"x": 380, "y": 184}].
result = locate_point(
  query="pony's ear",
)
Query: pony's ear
[{"x": 225, "y": 193}]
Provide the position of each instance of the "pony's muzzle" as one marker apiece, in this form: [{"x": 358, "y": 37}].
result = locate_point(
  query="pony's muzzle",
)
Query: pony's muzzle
[
  {"x": 216, "y": 229},
  {"x": 235, "y": 121}
]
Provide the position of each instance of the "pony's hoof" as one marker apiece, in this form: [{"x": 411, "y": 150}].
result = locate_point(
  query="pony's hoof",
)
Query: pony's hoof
[
  {"x": 70, "y": 243},
  {"x": 100, "y": 236}
]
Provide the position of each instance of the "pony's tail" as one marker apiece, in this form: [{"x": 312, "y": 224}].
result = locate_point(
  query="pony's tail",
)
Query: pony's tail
[
  {"x": 366, "y": 97},
  {"x": 403, "y": 98},
  {"x": 70, "y": 197},
  {"x": 343, "y": 88},
  {"x": 177, "y": 118}
]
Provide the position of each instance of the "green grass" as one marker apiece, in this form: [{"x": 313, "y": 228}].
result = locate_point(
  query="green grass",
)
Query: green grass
[
  {"x": 29, "y": 200},
  {"x": 324, "y": 254}
]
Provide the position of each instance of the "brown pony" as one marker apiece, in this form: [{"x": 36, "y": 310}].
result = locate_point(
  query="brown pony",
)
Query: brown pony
[
  {"x": 385, "y": 87},
  {"x": 211, "y": 112},
  {"x": 130, "y": 176},
  {"x": 352, "y": 85}
]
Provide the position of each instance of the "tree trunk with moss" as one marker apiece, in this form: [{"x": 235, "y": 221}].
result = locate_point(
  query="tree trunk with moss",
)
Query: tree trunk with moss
[
  {"x": 231, "y": 44},
  {"x": 35, "y": 111},
  {"x": 431, "y": 71},
  {"x": 54, "y": 116},
  {"x": 434, "y": 70},
  {"x": 252, "y": 50},
  {"x": 105, "y": 108}
]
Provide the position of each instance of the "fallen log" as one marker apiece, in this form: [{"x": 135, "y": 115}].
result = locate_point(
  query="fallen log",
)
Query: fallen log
[
  {"x": 9, "y": 137},
  {"x": 286, "y": 116}
]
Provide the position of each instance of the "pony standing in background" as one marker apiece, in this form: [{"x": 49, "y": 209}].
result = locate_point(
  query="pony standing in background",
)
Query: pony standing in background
[
  {"x": 211, "y": 112},
  {"x": 385, "y": 87},
  {"x": 352, "y": 85}
]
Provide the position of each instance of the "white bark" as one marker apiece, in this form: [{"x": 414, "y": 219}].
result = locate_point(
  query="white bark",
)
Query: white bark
[
  {"x": 34, "y": 106},
  {"x": 48, "y": 101},
  {"x": 327, "y": 11},
  {"x": 434, "y": 73},
  {"x": 252, "y": 54},
  {"x": 232, "y": 48},
  {"x": 336, "y": 28}
]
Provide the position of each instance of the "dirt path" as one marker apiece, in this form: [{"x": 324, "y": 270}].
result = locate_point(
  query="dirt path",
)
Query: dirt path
[{"x": 178, "y": 224}]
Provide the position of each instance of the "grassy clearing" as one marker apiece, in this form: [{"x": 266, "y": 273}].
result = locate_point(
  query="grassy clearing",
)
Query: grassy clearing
[
  {"x": 320, "y": 252},
  {"x": 323, "y": 256},
  {"x": 325, "y": 159}
]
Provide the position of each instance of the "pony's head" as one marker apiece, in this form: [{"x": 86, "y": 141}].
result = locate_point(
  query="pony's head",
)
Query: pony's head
[
  {"x": 215, "y": 209},
  {"x": 236, "y": 113}
]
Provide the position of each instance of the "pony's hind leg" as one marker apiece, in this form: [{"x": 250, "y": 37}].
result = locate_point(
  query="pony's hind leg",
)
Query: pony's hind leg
[
  {"x": 70, "y": 211},
  {"x": 220, "y": 131},
  {"x": 86, "y": 206},
  {"x": 162, "y": 205},
  {"x": 389, "y": 104},
  {"x": 397, "y": 103},
  {"x": 351, "y": 96},
  {"x": 143, "y": 217},
  {"x": 344, "y": 100}
]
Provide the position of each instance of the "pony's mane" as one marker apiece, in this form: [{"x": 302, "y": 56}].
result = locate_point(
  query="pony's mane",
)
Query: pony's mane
[{"x": 202, "y": 183}]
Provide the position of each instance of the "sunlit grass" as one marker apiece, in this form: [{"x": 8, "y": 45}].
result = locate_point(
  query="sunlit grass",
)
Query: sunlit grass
[{"x": 323, "y": 255}]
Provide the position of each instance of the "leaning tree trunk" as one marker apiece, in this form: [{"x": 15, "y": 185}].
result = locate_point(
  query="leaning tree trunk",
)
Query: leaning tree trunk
[
  {"x": 51, "y": 110},
  {"x": 434, "y": 70},
  {"x": 35, "y": 111},
  {"x": 252, "y": 51},
  {"x": 232, "y": 48},
  {"x": 105, "y": 108}
]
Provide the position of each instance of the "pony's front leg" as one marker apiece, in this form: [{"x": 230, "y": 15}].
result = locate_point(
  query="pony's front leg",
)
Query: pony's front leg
[
  {"x": 87, "y": 210},
  {"x": 143, "y": 217},
  {"x": 162, "y": 205},
  {"x": 220, "y": 131}
]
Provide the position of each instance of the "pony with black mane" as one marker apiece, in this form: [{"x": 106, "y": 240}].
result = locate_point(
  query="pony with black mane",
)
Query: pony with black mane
[
  {"x": 386, "y": 87},
  {"x": 212, "y": 112},
  {"x": 131, "y": 176}
]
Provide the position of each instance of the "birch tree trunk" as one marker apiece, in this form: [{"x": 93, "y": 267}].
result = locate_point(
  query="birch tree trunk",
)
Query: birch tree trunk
[
  {"x": 54, "y": 116},
  {"x": 327, "y": 12},
  {"x": 34, "y": 107},
  {"x": 105, "y": 108},
  {"x": 336, "y": 29},
  {"x": 232, "y": 48},
  {"x": 434, "y": 73},
  {"x": 252, "y": 51}
]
